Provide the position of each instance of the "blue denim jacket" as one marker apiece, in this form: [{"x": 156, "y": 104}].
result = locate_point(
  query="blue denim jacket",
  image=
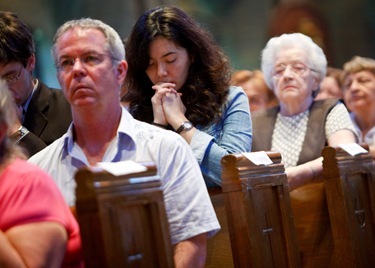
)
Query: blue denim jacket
[{"x": 232, "y": 134}]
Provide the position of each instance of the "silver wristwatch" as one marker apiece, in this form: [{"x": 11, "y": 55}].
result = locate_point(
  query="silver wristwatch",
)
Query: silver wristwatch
[
  {"x": 19, "y": 134},
  {"x": 185, "y": 126}
]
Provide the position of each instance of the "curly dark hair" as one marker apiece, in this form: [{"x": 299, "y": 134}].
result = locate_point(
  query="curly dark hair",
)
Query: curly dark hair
[
  {"x": 206, "y": 88},
  {"x": 16, "y": 40}
]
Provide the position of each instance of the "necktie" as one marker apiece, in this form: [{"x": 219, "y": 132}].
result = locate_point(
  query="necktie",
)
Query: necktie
[{"x": 23, "y": 114}]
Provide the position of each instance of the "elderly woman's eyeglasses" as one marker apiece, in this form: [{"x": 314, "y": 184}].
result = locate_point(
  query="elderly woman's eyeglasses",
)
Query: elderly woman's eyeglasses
[
  {"x": 297, "y": 68},
  {"x": 12, "y": 79},
  {"x": 66, "y": 64}
]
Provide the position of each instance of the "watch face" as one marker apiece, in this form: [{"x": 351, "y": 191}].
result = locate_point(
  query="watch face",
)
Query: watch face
[
  {"x": 185, "y": 126},
  {"x": 188, "y": 125}
]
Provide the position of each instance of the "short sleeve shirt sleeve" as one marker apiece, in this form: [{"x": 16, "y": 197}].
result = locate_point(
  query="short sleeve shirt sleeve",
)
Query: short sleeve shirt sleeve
[{"x": 338, "y": 119}]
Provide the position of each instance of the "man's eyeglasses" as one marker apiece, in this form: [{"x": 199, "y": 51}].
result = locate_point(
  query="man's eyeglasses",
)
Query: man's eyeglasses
[
  {"x": 297, "y": 68},
  {"x": 12, "y": 79},
  {"x": 66, "y": 64}
]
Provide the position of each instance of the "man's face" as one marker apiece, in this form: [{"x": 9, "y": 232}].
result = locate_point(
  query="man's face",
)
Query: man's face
[
  {"x": 88, "y": 75},
  {"x": 19, "y": 79}
]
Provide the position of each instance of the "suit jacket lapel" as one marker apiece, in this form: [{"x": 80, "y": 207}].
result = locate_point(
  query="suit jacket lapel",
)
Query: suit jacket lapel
[{"x": 36, "y": 116}]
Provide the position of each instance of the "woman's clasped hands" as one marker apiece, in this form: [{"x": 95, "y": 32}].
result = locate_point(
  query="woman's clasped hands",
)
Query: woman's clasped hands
[{"x": 167, "y": 105}]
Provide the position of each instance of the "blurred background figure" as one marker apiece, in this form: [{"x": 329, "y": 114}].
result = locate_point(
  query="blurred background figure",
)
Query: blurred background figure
[
  {"x": 37, "y": 229},
  {"x": 331, "y": 86},
  {"x": 259, "y": 94},
  {"x": 43, "y": 111},
  {"x": 359, "y": 96}
]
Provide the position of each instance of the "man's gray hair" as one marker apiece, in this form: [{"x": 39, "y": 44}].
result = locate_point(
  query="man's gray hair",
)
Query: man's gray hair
[{"x": 114, "y": 45}]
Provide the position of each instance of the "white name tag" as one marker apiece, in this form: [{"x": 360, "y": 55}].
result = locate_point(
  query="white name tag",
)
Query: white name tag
[
  {"x": 353, "y": 149},
  {"x": 258, "y": 158},
  {"x": 122, "y": 167}
]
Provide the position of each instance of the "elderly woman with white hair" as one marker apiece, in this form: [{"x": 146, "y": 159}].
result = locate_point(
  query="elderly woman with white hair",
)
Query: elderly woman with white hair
[
  {"x": 299, "y": 128},
  {"x": 359, "y": 95}
]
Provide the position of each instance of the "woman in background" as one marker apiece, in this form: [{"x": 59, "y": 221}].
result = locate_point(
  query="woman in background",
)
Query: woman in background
[
  {"x": 259, "y": 94},
  {"x": 178, "y": 78},
  {"x": 331, "y": 86},
  {"x": 37, "y": 228},
  {"x": 299, "y": 128},
  {"x": 359, "y": 96}
]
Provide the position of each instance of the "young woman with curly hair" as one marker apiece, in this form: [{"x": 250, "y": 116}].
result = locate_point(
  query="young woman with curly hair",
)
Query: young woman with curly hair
[{"x": 178, "y": 78}]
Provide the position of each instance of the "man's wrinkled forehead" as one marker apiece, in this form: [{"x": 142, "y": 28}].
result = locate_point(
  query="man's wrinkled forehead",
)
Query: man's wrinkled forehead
[{"x": 77, "y": 33}]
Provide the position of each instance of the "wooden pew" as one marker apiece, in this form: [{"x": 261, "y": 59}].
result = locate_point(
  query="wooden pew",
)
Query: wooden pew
[
  {"x": 313, "y": 226},
  {"x": 259, "y": 214},
  {"x": 350, "y": 188},
  {"x": 219, "y": 251},
  {"x": 122, "y": 219}
]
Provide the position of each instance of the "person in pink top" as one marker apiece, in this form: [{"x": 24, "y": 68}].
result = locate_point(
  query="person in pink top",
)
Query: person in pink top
[{"x": 37, "y": 228}]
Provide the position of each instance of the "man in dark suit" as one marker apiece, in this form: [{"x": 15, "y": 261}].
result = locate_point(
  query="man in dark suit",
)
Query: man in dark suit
[{"x": 44, "y": 112}]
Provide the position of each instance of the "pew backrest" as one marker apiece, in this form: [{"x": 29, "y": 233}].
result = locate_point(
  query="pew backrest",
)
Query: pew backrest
[
  {"x": 259, "y": 214},
  {"x": 350, "y": 189},
  {"x": 122, "y": 219}
]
